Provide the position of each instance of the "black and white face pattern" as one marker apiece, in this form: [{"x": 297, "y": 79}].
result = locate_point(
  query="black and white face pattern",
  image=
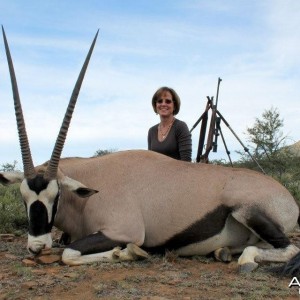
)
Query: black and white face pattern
[{"x": 41, "y": 200}]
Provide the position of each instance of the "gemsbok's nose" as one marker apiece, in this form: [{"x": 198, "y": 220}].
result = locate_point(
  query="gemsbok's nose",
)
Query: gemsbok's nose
[{"x": 36, "y": 251}]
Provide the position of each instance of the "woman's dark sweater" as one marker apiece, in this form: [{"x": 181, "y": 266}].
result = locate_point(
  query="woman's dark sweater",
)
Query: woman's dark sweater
[{"x": 177, "y": 144}]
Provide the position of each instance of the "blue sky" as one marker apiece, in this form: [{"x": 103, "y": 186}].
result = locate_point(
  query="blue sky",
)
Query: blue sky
[{"x": 143, "y": 45}]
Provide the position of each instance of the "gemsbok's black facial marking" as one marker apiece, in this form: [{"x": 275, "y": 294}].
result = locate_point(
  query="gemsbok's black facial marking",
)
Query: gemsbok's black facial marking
[
  {"x": 37, "y": 184},
  {"x": 267, "y": 229},
  {"x": 38, "y": 219},
  {"x": 210, "y": 225},
  {"x": 39, "y": 223}
]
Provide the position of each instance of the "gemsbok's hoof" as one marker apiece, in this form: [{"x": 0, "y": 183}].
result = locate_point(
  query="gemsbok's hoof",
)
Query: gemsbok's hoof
[
  {"x": 223, "y": 254},
  {"x": 136, "y": 251},
  {"x": 248, "y": 267},
  {"x": 116, "y": 253}
]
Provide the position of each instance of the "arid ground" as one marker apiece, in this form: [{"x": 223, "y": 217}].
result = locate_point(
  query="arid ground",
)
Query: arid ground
[{"x": 157, "y": 278}]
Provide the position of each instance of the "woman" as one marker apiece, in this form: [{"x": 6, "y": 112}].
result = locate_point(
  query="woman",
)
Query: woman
[{"x": 171, "y": 136}]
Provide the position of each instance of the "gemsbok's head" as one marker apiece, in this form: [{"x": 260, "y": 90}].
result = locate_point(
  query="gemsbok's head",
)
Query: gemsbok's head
[{"x": 40, "y": 190}]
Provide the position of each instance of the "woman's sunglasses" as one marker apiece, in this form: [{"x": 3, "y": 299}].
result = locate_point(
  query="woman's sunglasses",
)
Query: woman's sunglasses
[{"x": 167, "y": 101}]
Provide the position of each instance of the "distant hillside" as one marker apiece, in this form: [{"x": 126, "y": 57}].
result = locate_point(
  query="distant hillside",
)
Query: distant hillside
[{"x": 295, "y": 148}]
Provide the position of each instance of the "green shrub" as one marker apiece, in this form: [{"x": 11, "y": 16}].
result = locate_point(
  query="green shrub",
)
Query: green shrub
[{"x": 13, "y": 217}]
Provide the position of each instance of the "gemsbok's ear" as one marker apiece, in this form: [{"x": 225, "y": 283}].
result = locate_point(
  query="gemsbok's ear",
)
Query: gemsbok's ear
[
  {"x": 7, "y": 178},
  {"x": 77, "y": 187}
]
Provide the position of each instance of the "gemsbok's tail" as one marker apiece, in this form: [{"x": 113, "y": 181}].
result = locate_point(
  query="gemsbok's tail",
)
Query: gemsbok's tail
[{"x": 291, "y": 268}]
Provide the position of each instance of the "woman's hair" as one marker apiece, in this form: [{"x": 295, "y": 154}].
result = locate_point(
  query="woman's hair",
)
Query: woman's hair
[{"x": 175, "y": 97}]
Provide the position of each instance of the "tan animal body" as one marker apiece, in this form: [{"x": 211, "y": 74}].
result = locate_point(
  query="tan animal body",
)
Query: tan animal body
[{"x": 116, "y": 206}]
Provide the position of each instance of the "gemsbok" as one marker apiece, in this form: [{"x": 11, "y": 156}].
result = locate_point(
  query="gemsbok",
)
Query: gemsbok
[{"x": 125, "y": 205}]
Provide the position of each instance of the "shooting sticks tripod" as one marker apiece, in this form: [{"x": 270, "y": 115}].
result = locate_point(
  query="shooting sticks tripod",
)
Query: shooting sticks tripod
[{"x": 214, "y": 131}]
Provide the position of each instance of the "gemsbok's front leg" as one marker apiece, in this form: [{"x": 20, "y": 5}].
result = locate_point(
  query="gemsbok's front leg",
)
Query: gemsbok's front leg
[{"x": 99, "y": 248}]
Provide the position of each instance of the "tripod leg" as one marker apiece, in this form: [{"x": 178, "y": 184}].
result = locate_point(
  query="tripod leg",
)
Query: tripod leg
[
  {"x": 228, "y": 152},
  {"x": 245, "y": 148},
  {"x": 202, "y": 137}
]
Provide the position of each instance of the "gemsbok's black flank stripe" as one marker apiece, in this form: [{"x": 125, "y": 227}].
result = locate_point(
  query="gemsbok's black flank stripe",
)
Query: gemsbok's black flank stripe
[{"x": 210, "y": 225}]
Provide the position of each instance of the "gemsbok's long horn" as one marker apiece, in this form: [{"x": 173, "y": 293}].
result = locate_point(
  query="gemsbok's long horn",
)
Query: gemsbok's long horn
[
  {"x": 29, "y": 171},
  {"x": 51, "y": 171}
]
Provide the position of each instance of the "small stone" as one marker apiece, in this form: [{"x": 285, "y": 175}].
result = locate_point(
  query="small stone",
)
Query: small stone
[
  {"x": 47, "y": 259},
  {"x": 28, "y": 262}
]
